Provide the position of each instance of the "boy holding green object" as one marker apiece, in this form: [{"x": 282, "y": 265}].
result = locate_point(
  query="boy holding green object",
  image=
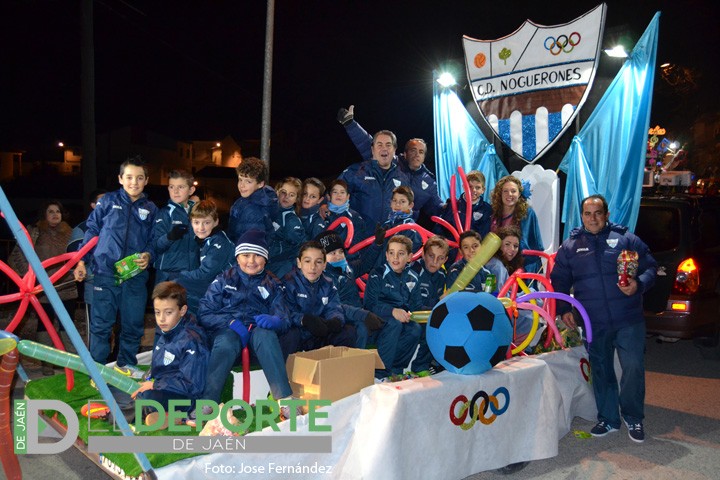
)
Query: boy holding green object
[{"x": 123, "y": 221}]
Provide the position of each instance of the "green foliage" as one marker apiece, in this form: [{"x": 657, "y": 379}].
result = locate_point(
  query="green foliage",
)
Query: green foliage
[{"x": 504, "y": 54}]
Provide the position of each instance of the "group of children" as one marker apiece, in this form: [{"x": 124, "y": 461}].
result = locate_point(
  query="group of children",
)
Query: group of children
[{"x": 278, "y": 282}]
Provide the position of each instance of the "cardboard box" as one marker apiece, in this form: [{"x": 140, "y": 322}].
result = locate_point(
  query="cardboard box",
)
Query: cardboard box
[{"x": 332, "y": 373}]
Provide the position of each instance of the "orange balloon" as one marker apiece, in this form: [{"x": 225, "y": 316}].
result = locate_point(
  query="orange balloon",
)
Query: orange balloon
[{"x": 480, "y": 60}]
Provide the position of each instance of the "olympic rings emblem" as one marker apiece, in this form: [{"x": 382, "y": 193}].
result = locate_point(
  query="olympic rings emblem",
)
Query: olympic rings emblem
[
  {"x": 478, "y": 412},
  {"x": 585, "y": 369},
  {"x": 562, "y": 43}
]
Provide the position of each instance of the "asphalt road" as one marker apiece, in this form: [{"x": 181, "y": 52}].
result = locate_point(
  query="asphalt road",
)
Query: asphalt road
[{"x": 682, "y": 429}]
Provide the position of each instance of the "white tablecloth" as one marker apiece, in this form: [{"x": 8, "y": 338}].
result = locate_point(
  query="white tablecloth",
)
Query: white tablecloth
[{"x": 404, "y": 430}]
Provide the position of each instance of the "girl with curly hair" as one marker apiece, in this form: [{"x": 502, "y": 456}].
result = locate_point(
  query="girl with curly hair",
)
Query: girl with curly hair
[{"x": 510, "y": 207}]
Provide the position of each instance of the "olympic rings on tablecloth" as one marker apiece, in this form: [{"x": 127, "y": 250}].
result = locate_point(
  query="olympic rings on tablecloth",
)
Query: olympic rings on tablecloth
[
  {"x": 479, "y": 411},
  {"x": 585, "y": 369},
  {"x": 562, "y": 43}
]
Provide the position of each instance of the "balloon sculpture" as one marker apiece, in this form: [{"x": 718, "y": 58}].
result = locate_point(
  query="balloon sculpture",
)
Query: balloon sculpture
[{"x": 29, "y": 289}]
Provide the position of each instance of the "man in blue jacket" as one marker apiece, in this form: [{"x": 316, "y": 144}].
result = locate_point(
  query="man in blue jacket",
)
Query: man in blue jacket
[
  {"x": 587, "y": 262},
  {"x": 123, "y": 221},
  {"x": 371, "y": 182},
  {"x": 411, "y": 163}
]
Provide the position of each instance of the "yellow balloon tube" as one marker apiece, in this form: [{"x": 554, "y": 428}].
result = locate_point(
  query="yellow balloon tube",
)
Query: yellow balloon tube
[
  {"x": 420, "y": 316},
  {"x": 488, "y": 247},
  {"x": 7, "y": 345}
]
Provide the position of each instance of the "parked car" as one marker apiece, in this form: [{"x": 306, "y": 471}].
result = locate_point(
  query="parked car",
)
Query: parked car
[{"x": 683, "y": 233}]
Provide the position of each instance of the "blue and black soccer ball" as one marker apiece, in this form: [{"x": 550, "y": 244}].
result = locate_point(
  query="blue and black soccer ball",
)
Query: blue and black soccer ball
[{"x": 469, "y": 333}]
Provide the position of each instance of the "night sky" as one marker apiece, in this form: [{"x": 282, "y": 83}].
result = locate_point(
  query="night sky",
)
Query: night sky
[{"x": 194, "y": 69}]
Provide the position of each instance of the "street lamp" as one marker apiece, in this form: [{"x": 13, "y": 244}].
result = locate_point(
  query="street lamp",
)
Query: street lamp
[
  {"x": 618, "y": 51},
  {"x": 446, "y": 79}
]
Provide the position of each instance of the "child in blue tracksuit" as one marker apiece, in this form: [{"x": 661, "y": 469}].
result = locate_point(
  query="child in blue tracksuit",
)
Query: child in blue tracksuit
[
  {"x": 481, "y": 215},
  {"x": 431, "y": 276},
  {"x": 246, "y": 306},
  {"x": 123, "y": 221},
  {"x": 313, "y": 191},
  {"x": 392, "y": 293},
  {"x": 180, "y": 358},
  {"x": 288, "y": 233},
  {"x": 339, "y": 206},
  {"x": 401, "y": 213},
  {"x": 315, "y": 312},
  {"x": 343, "y": 274},
  {"x": 257, "y": 204},
  {"x": 470, "y": 246},
  {"x": 217, "y": 253},
  {"x": 173, "y": 239}
]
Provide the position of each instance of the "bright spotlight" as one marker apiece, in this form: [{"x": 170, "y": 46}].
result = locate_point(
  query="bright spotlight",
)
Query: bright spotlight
[
  {"x": 446, "y": 79},
  {"x": 673, "y": 145},
  {"x": 617, "y": 51}
]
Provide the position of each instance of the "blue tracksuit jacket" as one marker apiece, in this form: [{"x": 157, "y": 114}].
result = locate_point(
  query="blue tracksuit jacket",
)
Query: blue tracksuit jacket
[
  {"x": 481, "y": 217},
  {"x": 178, "y": 255},
  {"x": 386, "y": 290},
  {"x": 124, "y": 227},
  {"x": 312, "y": 222},
  {"x": 217, "y": 254},
  {"x": 253, "y": 212},
  {"x": 371, "y": 188},
  {"x": 320, "y": 298},
  {"x": 588, "y": 263},
  {"x": 235, "y": 295},
  {"x": 180, "y": 359},
  {"x": 284, "y": 242},
  {"x": 432, "y": 285},
  {"x": 344, "y": 281}
]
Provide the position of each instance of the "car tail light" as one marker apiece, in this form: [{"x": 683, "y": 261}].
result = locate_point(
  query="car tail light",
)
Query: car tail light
[{"x": 687, "y": 279}]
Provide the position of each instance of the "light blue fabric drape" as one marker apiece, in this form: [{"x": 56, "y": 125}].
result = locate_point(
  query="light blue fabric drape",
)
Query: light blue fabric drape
[
  {"x": 608, "y": 155},
  {"x": 492, "y": 167},
  {"x": 459, "y": 142}
]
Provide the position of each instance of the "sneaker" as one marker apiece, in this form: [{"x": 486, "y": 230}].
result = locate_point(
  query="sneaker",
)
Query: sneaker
[
  {"x": 602, "y": 428},
  {"x": 285, "y": 411},
  {"x": 130, "y": 371},
  {"x": 636, "y": 432},
  {"x": 191, "y": 420}
]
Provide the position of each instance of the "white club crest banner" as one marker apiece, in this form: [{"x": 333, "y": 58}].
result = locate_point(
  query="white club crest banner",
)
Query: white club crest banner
[{"x": 530, "y": 85}]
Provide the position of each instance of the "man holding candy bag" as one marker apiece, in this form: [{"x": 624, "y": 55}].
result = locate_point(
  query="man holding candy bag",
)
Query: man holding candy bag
[{"x": 597, "y": 261}]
